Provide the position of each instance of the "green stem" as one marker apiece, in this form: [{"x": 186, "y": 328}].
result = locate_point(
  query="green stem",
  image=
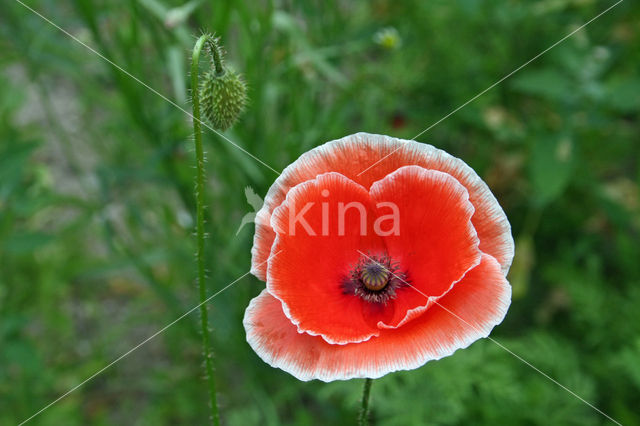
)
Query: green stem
[
  {"x": 363, "y": 418},
  {"x": 216, "y": 54},
  {"x": 199, "y": 193}
]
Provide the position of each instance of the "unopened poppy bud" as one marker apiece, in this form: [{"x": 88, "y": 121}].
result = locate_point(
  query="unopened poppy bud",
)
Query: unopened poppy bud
[
  {"x": 223, "y": 92},
  {"x": 223, "y": 97}
]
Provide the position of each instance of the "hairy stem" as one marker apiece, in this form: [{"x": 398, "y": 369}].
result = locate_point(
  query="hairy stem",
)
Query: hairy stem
[
  {"x": 363, "y": 418},
  {"x": 200, "y": 235},
  {"x": 216, "y": 53}
]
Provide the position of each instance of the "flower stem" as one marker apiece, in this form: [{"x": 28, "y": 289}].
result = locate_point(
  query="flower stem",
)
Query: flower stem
[
  {"x": 216, "y": 54},
  {"x": 200, "y": 235},
  {"x": 363, "y": 418}
]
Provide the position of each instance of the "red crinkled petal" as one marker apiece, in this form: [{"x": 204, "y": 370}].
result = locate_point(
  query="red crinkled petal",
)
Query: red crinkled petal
[
  {"x": 308, "y": 273},
  {"x": 466, "y": 313},
  {"x": 435, "y": 242},
  {"x": 352, "y": 155}
]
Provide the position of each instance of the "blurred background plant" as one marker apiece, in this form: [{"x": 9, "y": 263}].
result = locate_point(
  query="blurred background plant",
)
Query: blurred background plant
[{"x": 96, "y": 198}]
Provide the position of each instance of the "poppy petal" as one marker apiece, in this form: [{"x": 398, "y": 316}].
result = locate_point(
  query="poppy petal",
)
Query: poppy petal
[
  {"x": 467, "y": 313},
  {"x": 316, "y": 254},
  {"x": 435, "y": 242},
  {"x": 365, "y": 159},
  {"x": 262, "y": 242}
]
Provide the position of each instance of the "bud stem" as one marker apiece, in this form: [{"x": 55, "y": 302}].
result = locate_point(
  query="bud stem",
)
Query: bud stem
[
  {"x": 216, "y": 54},
  {"x": 200, "y": 234},
  {"x": 363, "y": 418}
]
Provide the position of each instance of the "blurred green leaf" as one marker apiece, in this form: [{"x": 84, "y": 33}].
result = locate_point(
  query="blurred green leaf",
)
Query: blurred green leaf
[
  {"x": 551, "y": 166},
  {"x": 547, "y": 83},
  {"x": 25, "y": 243},
  {"x": 623, "y": 94}
]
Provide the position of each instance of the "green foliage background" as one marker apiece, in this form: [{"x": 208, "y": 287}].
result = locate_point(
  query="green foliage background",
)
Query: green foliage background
[{"x": 96, "y": 178}]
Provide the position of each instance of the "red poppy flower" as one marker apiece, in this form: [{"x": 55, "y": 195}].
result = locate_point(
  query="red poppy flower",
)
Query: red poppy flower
[{"x": 376, "y": 271}]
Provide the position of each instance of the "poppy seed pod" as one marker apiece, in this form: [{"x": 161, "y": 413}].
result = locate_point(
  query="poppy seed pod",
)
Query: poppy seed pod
[{"x": 223, "y": 97}]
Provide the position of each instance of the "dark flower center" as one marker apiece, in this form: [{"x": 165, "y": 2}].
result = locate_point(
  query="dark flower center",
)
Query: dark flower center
[{"x": 374, "y": 279}]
